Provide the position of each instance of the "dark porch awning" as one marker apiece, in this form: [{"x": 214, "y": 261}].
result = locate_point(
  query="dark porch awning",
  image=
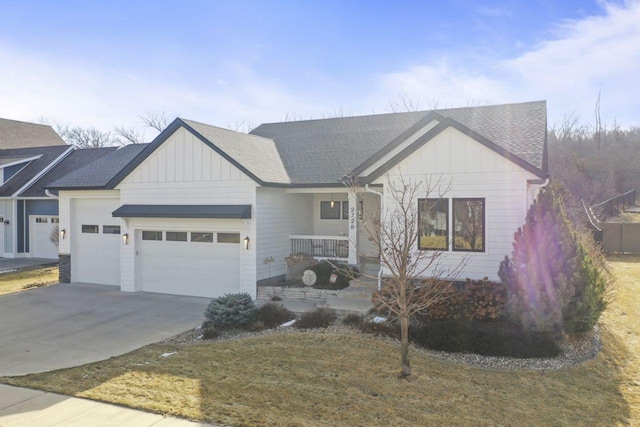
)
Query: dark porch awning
[{"x": 183, "y": 211}]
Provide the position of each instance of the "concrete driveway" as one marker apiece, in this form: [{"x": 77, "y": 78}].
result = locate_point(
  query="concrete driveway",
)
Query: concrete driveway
[{"x": 67, "y": 325}]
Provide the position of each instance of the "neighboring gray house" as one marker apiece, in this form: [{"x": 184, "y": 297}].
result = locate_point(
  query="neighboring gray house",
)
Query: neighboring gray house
[
  {"x": 199, "y": 210},
  {"x": 31, "y": 156}
]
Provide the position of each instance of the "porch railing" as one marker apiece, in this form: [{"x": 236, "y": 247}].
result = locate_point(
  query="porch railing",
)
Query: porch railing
[{"x": 320, "y": 246}]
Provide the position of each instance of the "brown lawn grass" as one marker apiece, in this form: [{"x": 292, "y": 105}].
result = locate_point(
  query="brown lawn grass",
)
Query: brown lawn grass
[
  {"x": 26, "y": 279},
  {"x": 344, "y": 379}
]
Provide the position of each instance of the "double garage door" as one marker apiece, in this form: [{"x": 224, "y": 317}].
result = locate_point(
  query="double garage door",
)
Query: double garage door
[{"x": 198, "y": 262}]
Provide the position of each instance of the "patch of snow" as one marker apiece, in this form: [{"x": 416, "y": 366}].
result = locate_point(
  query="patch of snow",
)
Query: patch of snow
[
  {"x": 289, "y": 323},
  {"x": 378, "y": 319},
  {"x": 8, "y": 271},
  {"x": 167, "y": 354}
]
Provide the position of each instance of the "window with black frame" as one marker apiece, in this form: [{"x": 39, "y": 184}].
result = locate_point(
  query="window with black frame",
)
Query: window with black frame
[
  {"x": 433, "y": 224},
  {"x": 468, "y": 225}
]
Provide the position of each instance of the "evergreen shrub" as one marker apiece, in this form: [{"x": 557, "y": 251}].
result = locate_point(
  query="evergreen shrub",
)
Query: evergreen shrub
[{"x": 231, "y": 310}]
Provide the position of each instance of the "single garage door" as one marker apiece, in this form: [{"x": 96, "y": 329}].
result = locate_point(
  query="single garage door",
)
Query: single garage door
[
  {"x": 198, "y": 263},
  {"x": 40, "y": 231},
  {"x": 96, "y": 242}
]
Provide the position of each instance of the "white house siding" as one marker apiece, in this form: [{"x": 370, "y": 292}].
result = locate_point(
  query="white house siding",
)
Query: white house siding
[
  {"x": 474, "y": 171},
  {"x": 185, "y": 171},
  {"x": 279, "y": 214}
]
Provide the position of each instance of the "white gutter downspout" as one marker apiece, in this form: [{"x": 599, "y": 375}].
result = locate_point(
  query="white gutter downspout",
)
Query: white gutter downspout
[
  {"x": 369, "y": 190},
  {"x": 53, "y": 196},
  {"x": 536, "y": 185}
]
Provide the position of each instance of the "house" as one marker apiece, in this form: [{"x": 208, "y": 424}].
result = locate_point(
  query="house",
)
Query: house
[
  {"x": 31, "y": 156},
  {"x": 201, "y": 209}
]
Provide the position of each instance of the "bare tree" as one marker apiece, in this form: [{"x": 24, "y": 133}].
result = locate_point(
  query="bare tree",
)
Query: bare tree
[
  {"x": 129, "y": 135},
  {"x": 406, "y": 103},
  {"x": 157, "y": 120},
  {"x": 395, "y": 233},
  {"x": 88, "y": 137}
]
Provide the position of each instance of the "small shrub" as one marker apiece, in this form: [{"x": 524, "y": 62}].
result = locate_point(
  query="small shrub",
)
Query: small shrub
[
  {"x": 276, "y": 298},
  {"x": 272, "y": 315},
  {"x": 231, "y": 310},
  {"x": 473, "y": 300},
  {"x": 352, "y": 319},
  {"x": 320, "y": 317},
  {"x": 297, "y": 264},
  {"x": 209, "y": 332}
]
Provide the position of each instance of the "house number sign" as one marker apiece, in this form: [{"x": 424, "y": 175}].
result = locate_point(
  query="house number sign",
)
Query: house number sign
[{"x": 352, "y": 217}]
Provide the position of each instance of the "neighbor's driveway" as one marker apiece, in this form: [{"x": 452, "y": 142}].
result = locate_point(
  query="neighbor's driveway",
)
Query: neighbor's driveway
[{"x": 66, "y": 325}]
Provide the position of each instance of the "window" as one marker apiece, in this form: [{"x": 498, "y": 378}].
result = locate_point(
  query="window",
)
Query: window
[
  {"x": 152, "y": 235},
  {"x": 201, "y": 237},
  {"x": 468, "y": 225},
  {"x": 55, "y": 220},
  {"x": 433, "y": 224},
  {"x": 41, "y": 220},
  {"x": 345, "y": 210},
  {"x": 110, "y": 229},
  {"x": 90, "y": 229},
  {"x": 176, "y": 236},
  {"x": 228, "y": 237},
  {"x": 328, "y": 212}
]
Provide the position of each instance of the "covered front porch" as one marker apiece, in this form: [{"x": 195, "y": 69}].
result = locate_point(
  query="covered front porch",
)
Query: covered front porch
[{"x": 336, "y": 229}]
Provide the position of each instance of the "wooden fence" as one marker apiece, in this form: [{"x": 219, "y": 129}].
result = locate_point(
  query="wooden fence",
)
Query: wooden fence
[{"x": 621, "y": 237}]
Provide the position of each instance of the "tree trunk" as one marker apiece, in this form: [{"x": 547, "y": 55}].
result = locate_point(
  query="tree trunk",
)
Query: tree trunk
[{"x": 404, "y": 339}]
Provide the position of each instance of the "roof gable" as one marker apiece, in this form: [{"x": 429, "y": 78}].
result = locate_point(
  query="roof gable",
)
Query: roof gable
[
  {"x": 46, "y": 157},
  {"x": 437, "y": 130},
  {"x": 16, "y": 134}
]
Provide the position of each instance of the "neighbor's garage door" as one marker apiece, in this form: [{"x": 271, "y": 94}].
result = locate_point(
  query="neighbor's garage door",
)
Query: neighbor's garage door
[
  {"x": 40, "y": 231},
  {"x": 95, "y": 257},
  {"x": 198, "y": 263}
]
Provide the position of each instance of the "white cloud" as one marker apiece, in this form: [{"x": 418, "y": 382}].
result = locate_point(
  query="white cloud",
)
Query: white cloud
[
  {"x": 598, "y": 52},
  {"x": 83, "y": 94}
]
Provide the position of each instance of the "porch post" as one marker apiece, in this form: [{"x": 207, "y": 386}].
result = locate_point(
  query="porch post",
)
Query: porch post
[{"x": 353, "y": 227}]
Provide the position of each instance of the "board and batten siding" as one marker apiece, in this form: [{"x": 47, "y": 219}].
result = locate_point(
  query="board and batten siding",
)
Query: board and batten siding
[
  {"x": 186, "y": 171},
  {"x": 278, "y": 215},
  {"x": 473, "y": 171}
]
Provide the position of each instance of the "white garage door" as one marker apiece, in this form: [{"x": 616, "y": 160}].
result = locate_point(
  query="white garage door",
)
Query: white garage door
[
  {"x": 95, "y": 256},
  {"x": 40, "y": 230},
  {"x": 198, "y": 263}
]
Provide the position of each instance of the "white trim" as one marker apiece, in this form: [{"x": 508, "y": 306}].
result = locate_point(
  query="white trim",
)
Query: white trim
[
  {"x": 44, "y": 171},
  {"x": 17, "y": 162},
  {"x": 311, "y": 236}
]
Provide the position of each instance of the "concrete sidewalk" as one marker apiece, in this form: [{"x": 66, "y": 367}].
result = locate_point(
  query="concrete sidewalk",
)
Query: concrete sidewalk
[{"x": 26, "y": 408}]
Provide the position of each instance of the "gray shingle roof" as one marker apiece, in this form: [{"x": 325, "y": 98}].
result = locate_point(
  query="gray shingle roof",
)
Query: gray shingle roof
[
  {"x": 99, "y": 173},
  {"x": 323, "y": 151},
  {"x": 46, "y": 156},
  {"x": 257, "y": 154},
  {"x": 15, "y": 134},
  {"x": 74, "y": 161}
]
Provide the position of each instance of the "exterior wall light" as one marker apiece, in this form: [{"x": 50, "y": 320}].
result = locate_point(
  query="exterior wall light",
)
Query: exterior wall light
[
  {"x": 62, "y": 233},
  {"x": 332, "y": 202},
  {"x": 6, "y": 222},
  {"x": 125, "y": 238},
  {"x": 246, "y": 242}
]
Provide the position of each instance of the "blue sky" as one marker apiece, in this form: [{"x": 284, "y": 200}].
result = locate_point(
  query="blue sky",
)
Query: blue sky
[{"x": 229, "y": 63}]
